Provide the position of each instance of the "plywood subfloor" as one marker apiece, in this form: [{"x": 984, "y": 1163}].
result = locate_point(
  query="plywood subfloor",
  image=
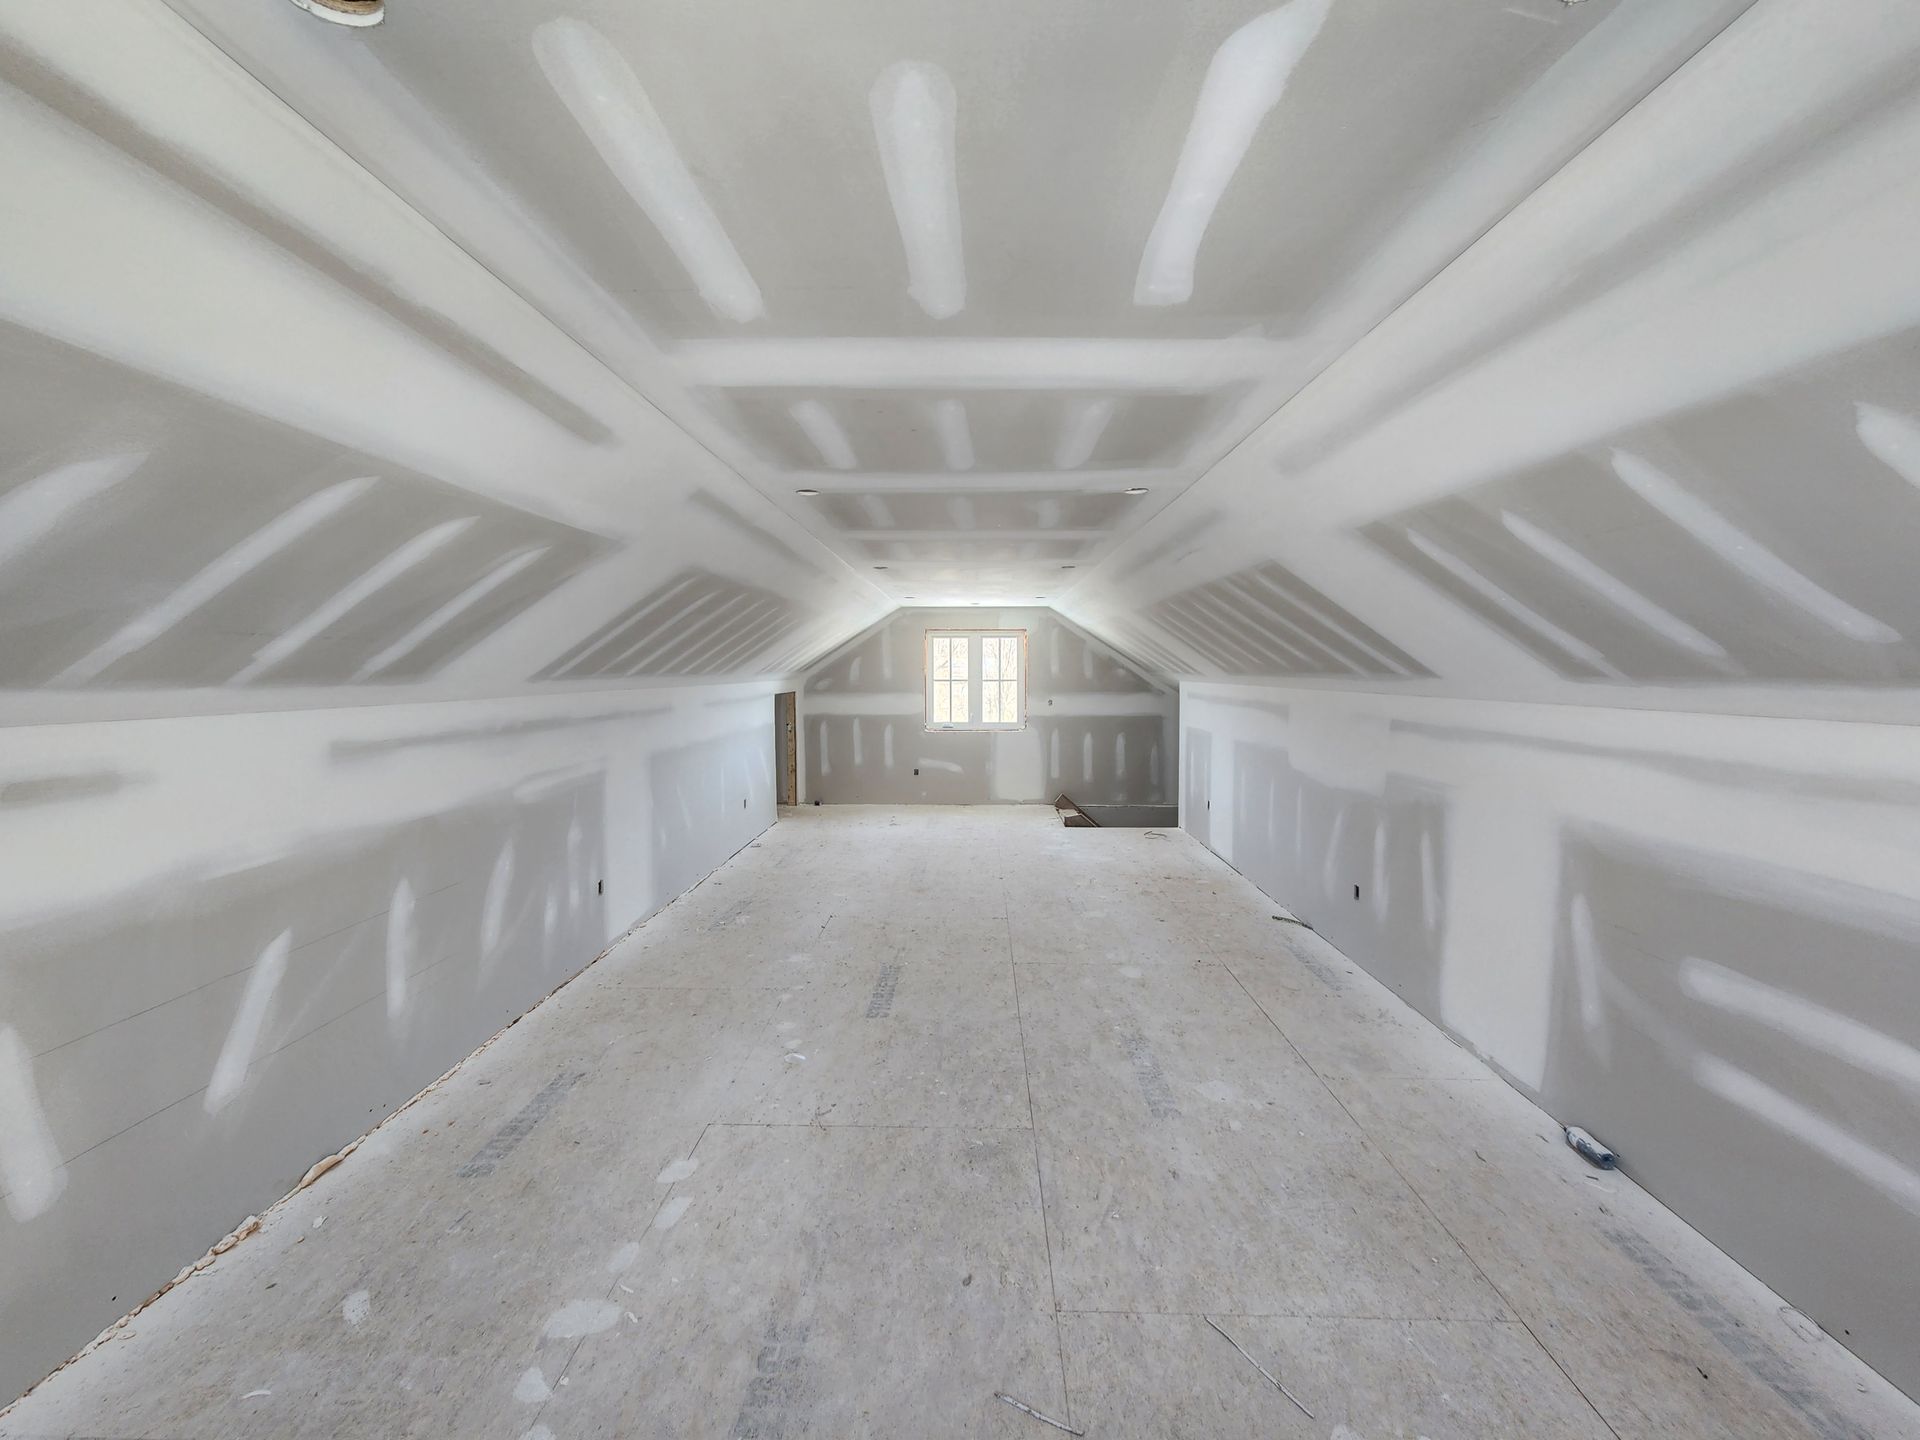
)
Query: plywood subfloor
[{"x": 903, "y": 1108}]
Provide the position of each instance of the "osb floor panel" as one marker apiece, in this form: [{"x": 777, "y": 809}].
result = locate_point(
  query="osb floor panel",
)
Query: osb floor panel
[{"x": 904, "y": 1107}]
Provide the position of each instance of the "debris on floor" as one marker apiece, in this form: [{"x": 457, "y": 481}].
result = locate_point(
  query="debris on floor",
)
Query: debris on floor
[
  {"x": 246, "y": 1228},
  {"x": 1590, "y": 1149},
  {"x": 326, "y": 1163},
  {"x": 1043, "y": 1419},
  {"x": 1261, "y": 1368},
  {"x": 1072, "y": 815}
]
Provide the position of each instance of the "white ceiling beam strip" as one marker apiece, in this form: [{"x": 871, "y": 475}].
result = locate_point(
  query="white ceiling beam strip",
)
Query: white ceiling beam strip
[{"x": 1175, "y": 367}]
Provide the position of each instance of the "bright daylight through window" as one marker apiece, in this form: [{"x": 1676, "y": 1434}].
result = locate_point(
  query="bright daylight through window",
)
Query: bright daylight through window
[{"x": 976, "y": 679}]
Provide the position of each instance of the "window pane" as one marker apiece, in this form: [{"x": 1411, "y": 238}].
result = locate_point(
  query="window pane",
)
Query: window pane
[
  {"x": 959, "y": 657},
  {"x": 941, "y": 650},
  {"x": 1009, "y": 648},
  {"x": 990, "y": 699},
  {"x": 990, "y": 659},
  {"x": 942, "y": 711}
]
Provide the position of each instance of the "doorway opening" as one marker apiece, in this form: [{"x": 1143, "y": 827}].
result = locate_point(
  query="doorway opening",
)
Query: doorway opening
[{"x": 786, "y": 734}]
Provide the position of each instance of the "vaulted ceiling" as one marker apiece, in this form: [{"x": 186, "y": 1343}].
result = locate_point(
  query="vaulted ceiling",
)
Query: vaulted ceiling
[{"x": 1496, "y": 346}]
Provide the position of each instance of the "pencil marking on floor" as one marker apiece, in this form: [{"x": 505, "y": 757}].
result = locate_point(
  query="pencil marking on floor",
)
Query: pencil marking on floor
[
  {"x": 880, "y": 1003},
  {"x": 1147, "y": 1073},
  {"x": 1765, "y": 1363},
  {"x": 776, "y": 1395},
  {"x": 508, "y": 1137}
]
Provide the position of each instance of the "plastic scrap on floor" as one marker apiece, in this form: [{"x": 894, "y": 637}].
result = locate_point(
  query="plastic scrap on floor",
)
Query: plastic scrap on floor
[
  {"x": 1043, "y": 1419},
  {"x": 1590, "y": 1149},
  {"x": 1261, "y": 1368}
]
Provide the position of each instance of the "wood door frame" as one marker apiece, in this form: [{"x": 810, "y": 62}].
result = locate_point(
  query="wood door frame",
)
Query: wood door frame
[{"x": 786, "y": 713}]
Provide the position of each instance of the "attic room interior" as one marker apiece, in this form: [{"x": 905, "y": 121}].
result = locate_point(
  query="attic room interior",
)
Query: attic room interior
[{"x": 881, "y": 718}]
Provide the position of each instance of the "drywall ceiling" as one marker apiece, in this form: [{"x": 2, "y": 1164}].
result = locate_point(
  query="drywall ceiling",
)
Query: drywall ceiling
[
  {"x": 971, "y": 274},
  {"x": 273, "y": 436},
  {"x": 1653, "y": 437},
  {"x": 1501, "y": 346}
]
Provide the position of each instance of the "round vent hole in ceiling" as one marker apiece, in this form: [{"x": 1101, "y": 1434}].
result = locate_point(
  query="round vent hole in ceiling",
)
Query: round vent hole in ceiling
[{"x": 346, "y": 12}]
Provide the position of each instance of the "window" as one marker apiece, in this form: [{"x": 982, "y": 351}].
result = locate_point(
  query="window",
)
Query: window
[{"x": 976, "y": 679}]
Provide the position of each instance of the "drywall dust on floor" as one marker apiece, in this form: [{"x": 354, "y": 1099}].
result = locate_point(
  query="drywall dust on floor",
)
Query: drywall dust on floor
[
  {"x": 903, "y": 1108},
  {"x": 1691, "y": 935}
]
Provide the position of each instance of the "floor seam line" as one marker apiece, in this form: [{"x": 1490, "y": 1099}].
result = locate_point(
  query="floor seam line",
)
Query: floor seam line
[
  {"x": 1039, "y": 1178},
  {"x": 1412, "y": 1190},
  {"x": 1307, "y": 1315}
]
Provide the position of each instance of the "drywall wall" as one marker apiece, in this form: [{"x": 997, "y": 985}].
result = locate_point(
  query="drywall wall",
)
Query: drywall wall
[
  {"x": 1097, "y": 729},
  {"x": 1693, "y": 935},
  {"x": 233, "y": 943}
]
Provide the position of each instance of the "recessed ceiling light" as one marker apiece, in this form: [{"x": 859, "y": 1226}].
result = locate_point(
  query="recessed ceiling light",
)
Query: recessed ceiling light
[
  {"x": 806, "y": 492},
  {"x": 346, "y": 12},
  {"x": 1130, "y": 490},
  {"x": 879, "y": 567},
  {"x": 1066, "y": 567}
]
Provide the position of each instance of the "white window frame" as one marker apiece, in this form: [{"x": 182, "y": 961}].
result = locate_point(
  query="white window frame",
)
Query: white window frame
[{"x": 975, "y": 679}]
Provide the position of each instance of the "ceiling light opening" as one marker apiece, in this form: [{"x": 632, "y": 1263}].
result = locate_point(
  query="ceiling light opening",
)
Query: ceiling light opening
[
  {"x": 1134, "y": 490},
  {"x": 346, "y": 12},
  {"x": 808, "y": 493}
]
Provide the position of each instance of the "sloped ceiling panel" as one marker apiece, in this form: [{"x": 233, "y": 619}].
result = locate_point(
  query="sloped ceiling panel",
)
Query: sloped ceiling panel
[
  {"x": 1654, "y": 432},
  {"x": 270, "y": 430}
]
